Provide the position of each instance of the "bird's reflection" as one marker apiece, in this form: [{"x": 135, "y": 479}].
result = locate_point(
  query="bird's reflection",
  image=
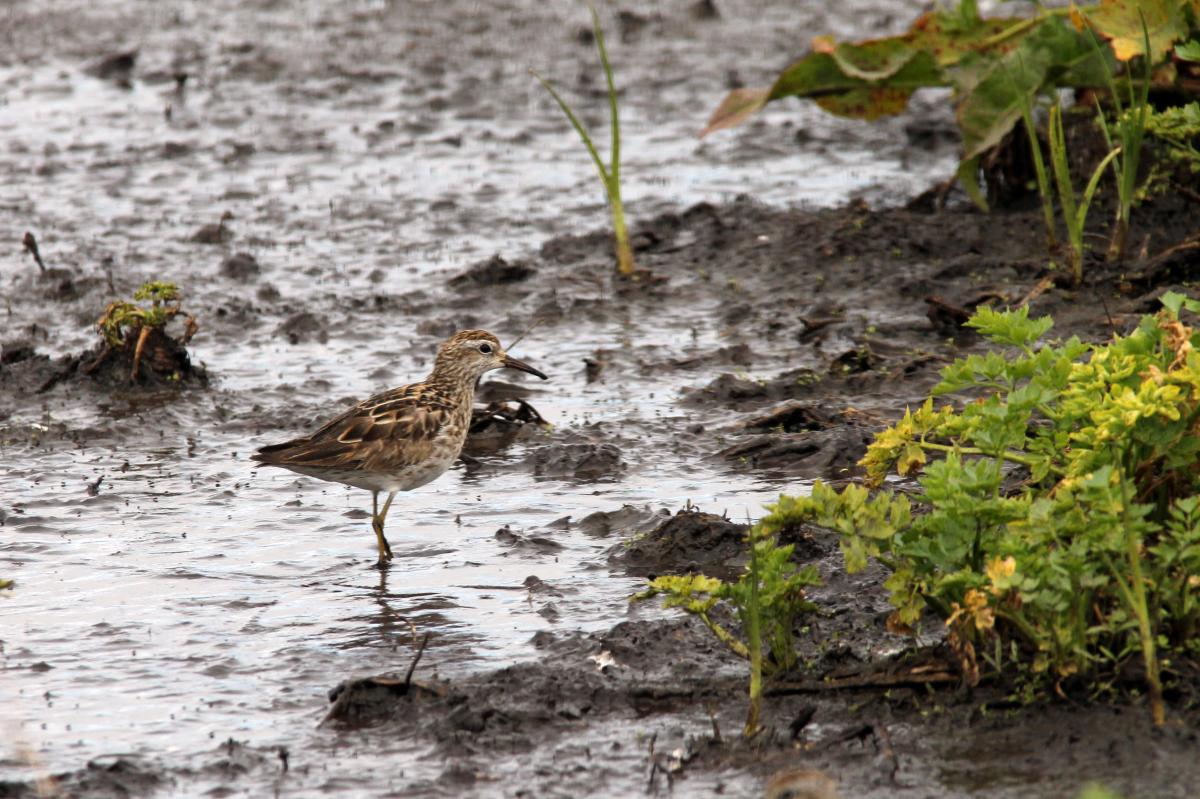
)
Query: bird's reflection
[{"x": 398, "y": 621}]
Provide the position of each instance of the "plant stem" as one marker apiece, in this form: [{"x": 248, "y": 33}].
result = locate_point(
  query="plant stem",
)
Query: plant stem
[
  {"x": 754, "y": 644},
  {"x": 610, "y": 175},
  {"x": 1039, "y": 167},
  {"x": 625, "y": 265},
  {"x": 725, "y": 637},
  {"x": 1010, "y": 455},
  {"x": 1138, "y": 592}
]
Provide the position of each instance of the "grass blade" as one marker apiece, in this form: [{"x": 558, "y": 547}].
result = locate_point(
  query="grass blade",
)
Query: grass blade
[{"x": 575, "y": 123}]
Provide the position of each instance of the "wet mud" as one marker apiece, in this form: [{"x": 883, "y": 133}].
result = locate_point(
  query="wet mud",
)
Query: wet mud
[{"x": 231, "y": 614}]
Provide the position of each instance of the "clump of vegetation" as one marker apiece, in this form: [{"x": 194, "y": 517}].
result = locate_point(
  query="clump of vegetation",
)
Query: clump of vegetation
[
  {"x": 1075, "y": 210},
  {"x": 135, "y": 328},
  {"x": 1058, "y": 532},
  {"x": 996, "y": 67},
  {"x": 767, "y": 599},
  {"x": 1129, "y": 129},
  {"x": 610, "y": 174}
]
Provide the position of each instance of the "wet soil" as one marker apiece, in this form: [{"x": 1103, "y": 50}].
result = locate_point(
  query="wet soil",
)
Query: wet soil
[{"x": 184, "y": 625}]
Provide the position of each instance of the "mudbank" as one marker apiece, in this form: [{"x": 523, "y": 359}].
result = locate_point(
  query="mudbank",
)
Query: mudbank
[{"x": 333, "y": 205}]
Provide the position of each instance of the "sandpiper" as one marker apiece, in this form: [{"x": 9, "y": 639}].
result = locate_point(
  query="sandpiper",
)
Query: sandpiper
[{"x": 404, "y": 438}]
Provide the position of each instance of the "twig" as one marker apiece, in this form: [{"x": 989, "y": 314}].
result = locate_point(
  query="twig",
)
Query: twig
[
  {"x": 532, "y": 325},
  {"x": 716, "y": 726},
  {"x": 916, "y": 678},
  {"x": 417, "y": 659},
  {"x": 143, "y": 335},
  {"x": 31, "y": 247},
  {"x": 885, "y": 738}
]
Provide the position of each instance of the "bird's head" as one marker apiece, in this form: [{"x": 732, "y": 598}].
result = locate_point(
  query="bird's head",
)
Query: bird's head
[{"x": 472, "y": 353}]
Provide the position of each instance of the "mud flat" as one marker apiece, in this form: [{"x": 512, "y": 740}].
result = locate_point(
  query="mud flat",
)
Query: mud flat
[{"x": 183, "y": 625}]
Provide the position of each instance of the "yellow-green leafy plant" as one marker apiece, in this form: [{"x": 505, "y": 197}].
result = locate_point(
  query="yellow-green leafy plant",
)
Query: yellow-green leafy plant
[
  {"x": 1057, "y": 522},
  {"x": 767, "y": 599},
  {"x": 610, "y": 174},
  {"x": 154, "y": 305}
]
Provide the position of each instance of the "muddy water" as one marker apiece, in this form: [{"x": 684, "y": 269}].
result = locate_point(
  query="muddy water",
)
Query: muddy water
[{"x": 364, "y": 151}]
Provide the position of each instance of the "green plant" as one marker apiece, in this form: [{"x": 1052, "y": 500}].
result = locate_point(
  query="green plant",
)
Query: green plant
[
  {"x": 1058, "y": 518},
  {"x": 123, "y": 320},
  {"x": 1177, "y": 129},
  {"x": 1039, "y": 167},
  {"x": 767, "y": 598},
  {"x": 610, "y": 175},
  {"x": 1074, "y": 212},
  {"x": 994, "y": 66},
  {"x": 1130, "y": 129}
]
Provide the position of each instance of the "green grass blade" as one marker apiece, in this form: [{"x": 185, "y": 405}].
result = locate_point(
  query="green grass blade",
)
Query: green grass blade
[
  {"x": 575, "y": 123},
  {"x": 615, "y": 123},
  {"x": 1062, "y": 170},
  {"x": 1082, "y": 212}
]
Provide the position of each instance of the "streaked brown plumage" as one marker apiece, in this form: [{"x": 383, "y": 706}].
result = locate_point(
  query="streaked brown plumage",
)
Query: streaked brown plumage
[{"x": 403, "y": 438}]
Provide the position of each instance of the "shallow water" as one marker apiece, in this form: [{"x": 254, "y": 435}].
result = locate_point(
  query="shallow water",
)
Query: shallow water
[{"x": 361, "y": 154}]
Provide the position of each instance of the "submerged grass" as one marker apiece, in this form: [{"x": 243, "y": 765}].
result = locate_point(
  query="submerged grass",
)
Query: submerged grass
[{"x": 610, "y": 174}]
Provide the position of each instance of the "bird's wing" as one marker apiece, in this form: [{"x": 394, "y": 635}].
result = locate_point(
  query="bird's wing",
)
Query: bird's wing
[{"x": 369, "y": 435}]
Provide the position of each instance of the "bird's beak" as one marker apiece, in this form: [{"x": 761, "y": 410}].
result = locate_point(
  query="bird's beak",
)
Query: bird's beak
[{"x": 512, "y": 363}]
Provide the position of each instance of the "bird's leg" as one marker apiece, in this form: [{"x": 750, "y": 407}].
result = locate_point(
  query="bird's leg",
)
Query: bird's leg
[
  {"x": 383, "y": 515},
  {"x": 377, "y": 517}
]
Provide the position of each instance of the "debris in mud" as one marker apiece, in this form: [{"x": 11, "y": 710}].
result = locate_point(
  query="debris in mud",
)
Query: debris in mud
[
  {"x": 135, "y": 347},
  {"x": 241, "y": 267},
  {"x": 628, "y": 521},
  {"x": 690, "y": 542},
  {"x": 304, "y": 326},
  {"x": 833, "y": 452},
  {"x": 373, "y": 700},
  {"x": 15, "y": 351},
  {"x": 117, "y": 68},
  {"x": 498, "y": 424},
  {"x": 115, "y": 776},
  {"x": 31, "y": 247},
  {"x": 791, "y": 417},
  {"x": 853, "y": 361},
  {"x": 537, "y": 543},
  {"x": 950, "y": 319},
  {"x": 495, "y": 271},
  {"x": 214, "y": 233},
  {"x": 578, "y": 461},
  {"x": 730, "y": 388}
]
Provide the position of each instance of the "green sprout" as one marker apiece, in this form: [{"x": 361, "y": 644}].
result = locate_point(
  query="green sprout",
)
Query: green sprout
[
  {"x": 1039, "y": 166},
  {"x": 767, "y": 599},
  {"x": 1074, "y": 211},
  {"x": 122, "y": 320},
  {"x": 1130, "y": 130},
  {"x": 610, "y": 175}
]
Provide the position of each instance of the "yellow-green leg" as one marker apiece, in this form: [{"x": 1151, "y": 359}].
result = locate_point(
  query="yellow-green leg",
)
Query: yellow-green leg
[{"x": 377, "y": 517}]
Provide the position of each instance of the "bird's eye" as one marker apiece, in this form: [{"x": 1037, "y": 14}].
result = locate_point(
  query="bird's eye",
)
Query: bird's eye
[{"x": 485, "y": 348}]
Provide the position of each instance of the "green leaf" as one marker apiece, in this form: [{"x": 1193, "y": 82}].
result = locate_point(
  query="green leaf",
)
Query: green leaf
[
  {"x": 968, "y": 176},
  {"x": 1172, "y": 301},
  {"x": 993, "y": 91},
  {"x": 1120, "y": 21},
  {"x": 1013, "y": 328},
  {"x": 1189, "y": 51}
]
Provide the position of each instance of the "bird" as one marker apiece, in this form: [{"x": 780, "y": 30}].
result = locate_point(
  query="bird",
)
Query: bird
[{"x": 400, "y": 439}]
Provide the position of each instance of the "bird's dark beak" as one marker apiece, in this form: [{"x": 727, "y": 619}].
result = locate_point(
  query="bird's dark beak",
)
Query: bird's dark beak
[{"x": 512, "y": 363}]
